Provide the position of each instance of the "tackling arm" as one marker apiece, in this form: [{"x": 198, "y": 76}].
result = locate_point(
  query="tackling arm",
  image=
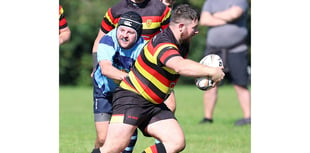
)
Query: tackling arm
[{"x": 110, "y": 71}]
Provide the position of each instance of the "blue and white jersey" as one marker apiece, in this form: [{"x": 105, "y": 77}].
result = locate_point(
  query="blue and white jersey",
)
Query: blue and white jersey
[{"x": 122, "y": 59}]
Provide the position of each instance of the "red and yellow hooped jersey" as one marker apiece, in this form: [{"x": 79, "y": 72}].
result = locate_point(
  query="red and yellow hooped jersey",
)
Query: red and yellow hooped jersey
[
  {"x": 149, "y": 76},
  {"x": 62, "y": 20},
  {"x": 155, "y": 16}
]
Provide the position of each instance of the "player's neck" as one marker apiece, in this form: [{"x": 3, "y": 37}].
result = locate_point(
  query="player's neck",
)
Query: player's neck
[{"x": 176, "y": 32}]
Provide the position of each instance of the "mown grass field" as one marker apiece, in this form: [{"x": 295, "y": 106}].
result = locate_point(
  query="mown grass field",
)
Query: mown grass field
[{"x": 77, "y": 131}]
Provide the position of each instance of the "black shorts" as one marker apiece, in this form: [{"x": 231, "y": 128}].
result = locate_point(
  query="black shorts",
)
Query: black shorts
[
  {"x": 235, "y": 65},
  {"x": 131, "y": 108}
]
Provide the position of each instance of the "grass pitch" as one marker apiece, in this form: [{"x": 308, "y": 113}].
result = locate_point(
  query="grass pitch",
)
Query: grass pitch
[{"x": 77, "y": 130}]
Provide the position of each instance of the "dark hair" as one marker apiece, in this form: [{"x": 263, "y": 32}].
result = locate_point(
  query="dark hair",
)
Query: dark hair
[
  {"x": 133, "y": 20},
  {"x": 184, "y": 11}
]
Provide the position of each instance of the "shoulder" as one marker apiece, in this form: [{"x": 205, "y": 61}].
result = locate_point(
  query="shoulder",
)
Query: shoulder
[
  {"x": 107, "y": 39},
  {"x": 165, "y": 37}
]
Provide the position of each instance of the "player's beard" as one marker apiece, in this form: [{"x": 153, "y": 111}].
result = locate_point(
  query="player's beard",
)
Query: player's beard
[{"x": 186, "y": 38}]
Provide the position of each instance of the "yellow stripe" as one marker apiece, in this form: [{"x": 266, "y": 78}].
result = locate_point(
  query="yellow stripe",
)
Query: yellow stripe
[
  {"x": 168, "y": 14},
  {"x": 171, "y": 71},
  {"x": 148, "y": 150},
  {"x": 125, "y": 86},
  {"x": 108, "y": 17},
  {"x": 61, "y": 12},
  {"x": 149, "y": 56},
  {"x": 152, "y": 79},
  {"x": 153, "y": 25},
  {"x": 117, "y": 119},
  {"x": 139, "y": 88},
  {"x": 153, "y": 58}
]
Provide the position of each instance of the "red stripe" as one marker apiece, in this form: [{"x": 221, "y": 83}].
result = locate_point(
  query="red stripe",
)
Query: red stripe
[
  {"x": 148, "y": 91},
  {"x": 106, "y": 26},
  {"x": 62, "y": 22},
  {"x": 125, "y": 81},
  {"x": 153, "y": 18},
  {"x": 164, "y": 26},
  {"x": 110, "y": 14},
  {"x": 153, "y": 72},
  {"x": 118, "y": 115},
  {"x": 154, "y": 149},
  {"x": 168, "y": 53},
  {"x": 165, "y": 15},
  {"x": 59, "y": 9},
  {"x": 150, "y": 48}
]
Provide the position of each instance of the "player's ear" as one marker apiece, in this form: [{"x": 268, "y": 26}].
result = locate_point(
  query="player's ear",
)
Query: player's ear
[{"x": 181, "y": 27}]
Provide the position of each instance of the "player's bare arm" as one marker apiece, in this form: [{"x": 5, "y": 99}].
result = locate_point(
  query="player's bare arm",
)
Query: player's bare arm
[
  {"x": 191, "y": 68},
  {"x": 64, "y": 35},
  {"x": 207, "y": 19},
  {"x": 110, "y": 71},
  {"x": 230, "y": 14}
]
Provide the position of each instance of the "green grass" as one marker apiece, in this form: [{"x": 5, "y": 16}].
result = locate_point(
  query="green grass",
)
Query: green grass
[{"x": 77, "y": 131}]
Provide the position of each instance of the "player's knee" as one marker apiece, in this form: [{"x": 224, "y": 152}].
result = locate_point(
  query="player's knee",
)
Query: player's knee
[
  {"x": 175, "y": 145},
  {"x": 179, "y": 145}
]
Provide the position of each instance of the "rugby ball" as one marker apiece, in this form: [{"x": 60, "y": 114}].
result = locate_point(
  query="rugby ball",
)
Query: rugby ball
[{"x": 212, "y": 60}]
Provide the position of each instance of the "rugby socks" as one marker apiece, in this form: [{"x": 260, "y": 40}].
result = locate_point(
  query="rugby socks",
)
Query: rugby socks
[
  {"x": 132, "y": 143},
  {"x": 157, "y": 148}
]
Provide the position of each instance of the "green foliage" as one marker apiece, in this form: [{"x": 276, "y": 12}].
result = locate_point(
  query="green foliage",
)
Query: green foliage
[
  {"x": 84, "y": 19},
  {"x": 77, "y": 131}
]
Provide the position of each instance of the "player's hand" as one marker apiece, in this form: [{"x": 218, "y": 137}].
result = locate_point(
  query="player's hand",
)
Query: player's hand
[
  {"x": 218, "y": 76},
  {"x": 92, "y": 73}
]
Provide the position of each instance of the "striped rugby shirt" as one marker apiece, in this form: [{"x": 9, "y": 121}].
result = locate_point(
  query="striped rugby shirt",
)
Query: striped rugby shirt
[
  {"x": 149, "y": 76},
  {"x": 62, "y": 20},
  {"x": 155, "y": 16}
]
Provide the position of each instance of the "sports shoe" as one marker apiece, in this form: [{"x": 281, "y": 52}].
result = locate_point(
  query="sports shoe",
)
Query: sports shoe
[
  {"x": 206, "y": 120},
  {"x": 243, "y": 121},
  {"x": 96, "y": 150}
]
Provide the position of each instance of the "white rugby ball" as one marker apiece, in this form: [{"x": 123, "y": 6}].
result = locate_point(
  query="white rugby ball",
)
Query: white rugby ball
[{"x": 212, "y": 60}]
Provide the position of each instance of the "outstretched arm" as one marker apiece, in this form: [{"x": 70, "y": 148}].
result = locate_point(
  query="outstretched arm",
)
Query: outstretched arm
[{"x": 190, "y": 68}]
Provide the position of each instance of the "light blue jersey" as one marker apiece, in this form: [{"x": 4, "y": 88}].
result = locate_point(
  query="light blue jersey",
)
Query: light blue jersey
[{"x": 122, "y": 59}]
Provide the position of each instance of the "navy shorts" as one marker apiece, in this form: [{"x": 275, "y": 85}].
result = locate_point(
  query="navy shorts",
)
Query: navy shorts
[
  {"x": 235, "y": 65},
  {"x": 102, "y": 101},
  {"x": 131, "y": 108}
]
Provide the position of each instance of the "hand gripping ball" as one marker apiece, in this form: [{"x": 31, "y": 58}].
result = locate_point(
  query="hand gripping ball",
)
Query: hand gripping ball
[{"x": 212, "y": 60}]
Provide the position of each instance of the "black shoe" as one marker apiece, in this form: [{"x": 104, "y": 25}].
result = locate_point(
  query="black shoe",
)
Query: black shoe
[
  {"x": 206, "y": 120},
  {"x": 96, "y": 150},
  {"x": 243, "y": 121}
]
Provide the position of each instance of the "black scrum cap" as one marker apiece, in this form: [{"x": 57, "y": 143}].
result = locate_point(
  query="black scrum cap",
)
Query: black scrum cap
[{"x": 133, "y": 20}]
